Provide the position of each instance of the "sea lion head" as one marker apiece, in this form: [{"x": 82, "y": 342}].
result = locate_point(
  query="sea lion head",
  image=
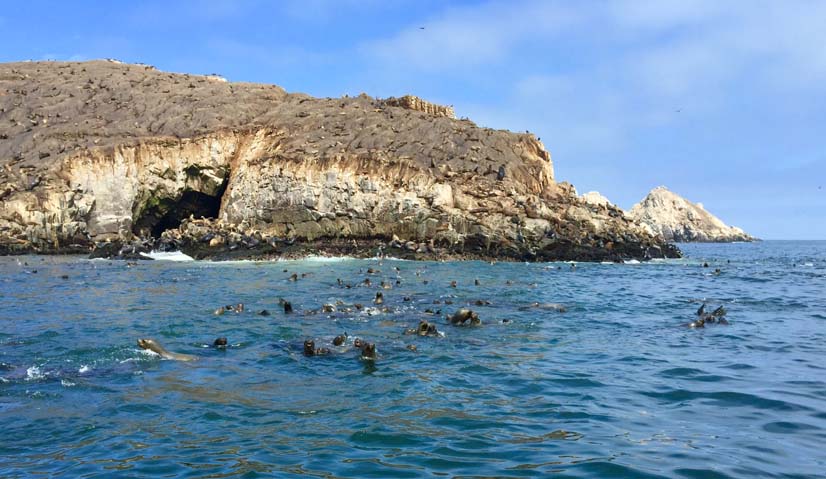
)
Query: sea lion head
[
  {"x": 368, "y": 351},
  {"x": 358, "y": 343},
  {"x": 339, "y": 340},
  {"x": 146, "y": 343},
  {"x": 309, "y": 347},
  {"x": 220, "y": 342}
]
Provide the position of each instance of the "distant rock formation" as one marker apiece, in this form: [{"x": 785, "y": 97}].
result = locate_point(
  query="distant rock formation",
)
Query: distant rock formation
[
  {"x": 596, "y": 198},
  {"x": 121, "y": 158},
  {"x": 415, "y": 103},
  {"x": 680, "y": 220}
]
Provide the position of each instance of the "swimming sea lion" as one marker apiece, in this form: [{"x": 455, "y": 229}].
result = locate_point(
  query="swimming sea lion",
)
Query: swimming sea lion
[
  {"x": 220, "y": 342},
  {"x": 288, "y": 307},
  {"x": 546, "y": 306},
  {"x": 328, "y": 308},
  {"x": 156, "y": 347},
  {"x": 368, "y": 351},
  {"x": 293, "y": 277},
  {"x": 340, "y": 339},
  {"x": 462, "y": 316},
  {"x": 310, "y": 349},
  {"x": 379, "y": 298},
  {"x": 453, "y": 284},
  {"x": 263, "y": 312}
]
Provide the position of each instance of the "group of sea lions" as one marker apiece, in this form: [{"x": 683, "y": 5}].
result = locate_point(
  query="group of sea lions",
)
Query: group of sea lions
[
  {"x": 718, "y": 316},
  {"x": 366, "y": 350}
]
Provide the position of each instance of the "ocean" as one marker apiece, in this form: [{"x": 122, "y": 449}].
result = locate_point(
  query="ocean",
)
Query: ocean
[{"x": 616, "y": 385}]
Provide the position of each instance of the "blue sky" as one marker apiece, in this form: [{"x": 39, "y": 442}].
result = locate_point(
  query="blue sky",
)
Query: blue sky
[{"x": 723, "y": 102}]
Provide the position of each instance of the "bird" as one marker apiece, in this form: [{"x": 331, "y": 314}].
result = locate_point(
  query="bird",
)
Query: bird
[{"x": 421, "y": 28}]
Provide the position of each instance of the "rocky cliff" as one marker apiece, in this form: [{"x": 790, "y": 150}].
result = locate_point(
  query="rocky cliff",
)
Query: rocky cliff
[
  {"x": 678, "y": 219},
  {"x": 118, "y": 158}
]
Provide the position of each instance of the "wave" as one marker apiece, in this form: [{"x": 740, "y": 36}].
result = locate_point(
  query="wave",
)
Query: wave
[{"x": 168, "y": 256}]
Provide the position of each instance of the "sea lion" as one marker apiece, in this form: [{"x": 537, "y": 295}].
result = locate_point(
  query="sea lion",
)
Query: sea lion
[
  {"x": 328, "y": 308},
  {"x": 368, "y": 351},
  {"x": 220, "y": 342},
  {"x": 340, "y": 339},
  {"x": 715, "y": 317},
  {"x": 379, "y": 298},
  {"x": 546, "y": 306},
  {"x": 358, "y": 343},
  {"x": 462, "y": 316},
  {"x": 263, "y": 312},
  {"x": 293, "y": 277},
  {"x": 310, "y": 349},
  {"x": 476, "y": 282},
  {"x": 156, "y": 347},
  {"x": 239, "y": 308},
  {"x": 288, "y": 307},
  {"x": 453, "y": 284}
]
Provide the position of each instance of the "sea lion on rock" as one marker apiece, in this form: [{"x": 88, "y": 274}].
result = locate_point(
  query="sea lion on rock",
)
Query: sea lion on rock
[
  {"x": 462, "y": 316},
  {"x": 154, "y": 346}
]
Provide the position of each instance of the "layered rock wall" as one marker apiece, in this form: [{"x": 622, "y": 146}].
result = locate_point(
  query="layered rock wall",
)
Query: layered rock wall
[
  {"x": 415, "y": 103},
  {"x": 98, "y": 153}
]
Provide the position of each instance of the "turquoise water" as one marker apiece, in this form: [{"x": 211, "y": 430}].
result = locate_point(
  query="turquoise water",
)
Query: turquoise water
[{"x": 616, "y": 386}]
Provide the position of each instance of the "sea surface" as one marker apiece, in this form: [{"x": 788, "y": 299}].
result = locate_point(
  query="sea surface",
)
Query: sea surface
[{"x": 615, "y": 386}]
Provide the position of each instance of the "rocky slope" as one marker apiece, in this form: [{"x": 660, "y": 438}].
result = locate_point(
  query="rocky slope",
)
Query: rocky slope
[
  {"x": 120, "y": 158},
  {"x": 680, "y": 220}
]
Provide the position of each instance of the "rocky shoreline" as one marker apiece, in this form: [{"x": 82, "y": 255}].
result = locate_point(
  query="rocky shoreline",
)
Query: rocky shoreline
[{"x": 114, "y": 159}]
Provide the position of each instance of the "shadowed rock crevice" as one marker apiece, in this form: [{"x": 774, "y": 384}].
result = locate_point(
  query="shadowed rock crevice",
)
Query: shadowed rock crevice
[{"x": 164, "y": 214}]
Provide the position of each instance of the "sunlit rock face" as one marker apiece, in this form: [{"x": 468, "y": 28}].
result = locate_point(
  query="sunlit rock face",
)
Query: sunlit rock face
[
  {"x": 680, "y": 220},
  {"x": 103, "y": 155}
]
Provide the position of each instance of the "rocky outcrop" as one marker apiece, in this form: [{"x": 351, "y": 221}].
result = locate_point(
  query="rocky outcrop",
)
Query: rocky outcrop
[
  {"x": 121, "y": 158},
  {"x": 680, "y": 220},
  {"x": 415, "y": 103},
  {"x": 596, "y": 198}
]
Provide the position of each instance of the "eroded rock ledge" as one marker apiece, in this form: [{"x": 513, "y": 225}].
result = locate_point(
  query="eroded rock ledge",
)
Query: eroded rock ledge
[{"x": 121, "y": 158}]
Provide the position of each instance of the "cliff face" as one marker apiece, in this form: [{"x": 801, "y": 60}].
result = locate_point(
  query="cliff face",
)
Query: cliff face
[
  {"x": 678, "y": 219},
  {"x": 108, "y": 156}
]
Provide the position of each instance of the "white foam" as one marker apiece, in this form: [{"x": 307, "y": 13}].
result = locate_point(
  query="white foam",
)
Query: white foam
[
  {"x": 168, "y": 256},
  {"x": 632, "y": 261},
  {"x": 84, "y": 369},
  {"x": 66, "y": 383},
  {"x": 34, "y": 373}
]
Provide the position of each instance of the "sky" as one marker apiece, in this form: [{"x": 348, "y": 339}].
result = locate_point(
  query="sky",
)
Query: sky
[{"x": 723, "y": 102}]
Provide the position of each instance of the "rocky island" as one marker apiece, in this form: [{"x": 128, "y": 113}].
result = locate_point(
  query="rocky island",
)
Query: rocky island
[
  {"x": 677, "y": 219},
  {"x": 116, "y": 159}
]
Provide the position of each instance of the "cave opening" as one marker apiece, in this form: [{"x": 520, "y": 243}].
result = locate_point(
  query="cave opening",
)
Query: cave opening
[{"x": 161, "y": 214}]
